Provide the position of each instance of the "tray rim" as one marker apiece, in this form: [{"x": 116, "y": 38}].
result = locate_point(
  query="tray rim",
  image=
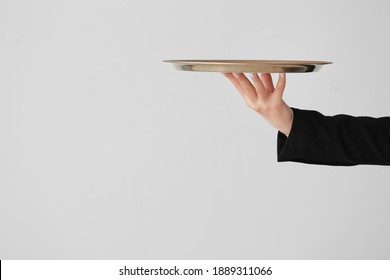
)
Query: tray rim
[
  {"x": 247, "y": 62},
  {"x": 248, "y": 66}
]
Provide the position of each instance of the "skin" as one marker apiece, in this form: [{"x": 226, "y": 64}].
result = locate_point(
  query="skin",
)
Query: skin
[{"x": 261, "y": 96}]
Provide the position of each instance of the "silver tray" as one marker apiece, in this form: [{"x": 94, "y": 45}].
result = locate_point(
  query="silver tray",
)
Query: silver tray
[{"x": 249, "y": 66}]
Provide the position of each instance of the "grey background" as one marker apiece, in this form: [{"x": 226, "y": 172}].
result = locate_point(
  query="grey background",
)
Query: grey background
[{"x": 108, "y": 153}]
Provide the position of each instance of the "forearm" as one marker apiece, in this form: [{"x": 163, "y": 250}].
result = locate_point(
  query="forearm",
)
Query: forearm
[{"x": 336, "y": 140}]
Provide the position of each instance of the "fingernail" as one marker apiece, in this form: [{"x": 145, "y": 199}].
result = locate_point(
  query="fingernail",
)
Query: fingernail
[{"x": 282, "y": 75}]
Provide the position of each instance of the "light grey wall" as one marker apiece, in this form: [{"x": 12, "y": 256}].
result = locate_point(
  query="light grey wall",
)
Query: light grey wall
[{"x": 108, "y": 153}]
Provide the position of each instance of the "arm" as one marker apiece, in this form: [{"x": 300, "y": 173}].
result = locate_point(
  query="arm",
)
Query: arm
[
  {"x": 336, "y": 140},
  {"x": 310, "y": 137}
]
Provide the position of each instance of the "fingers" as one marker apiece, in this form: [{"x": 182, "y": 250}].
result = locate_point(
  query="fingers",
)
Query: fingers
[
  {"x": 258, "y": 84},
  {"x": 247, "y": 86},
  {"x": 265, "y": 84},
  {"x": 267, "y": 80},
  {"x": 234, "y": 81},
  {"x": 281, "y": 85}
]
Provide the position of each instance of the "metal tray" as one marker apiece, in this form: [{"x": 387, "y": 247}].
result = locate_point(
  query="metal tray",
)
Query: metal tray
[{"x": 249, "y": 66}]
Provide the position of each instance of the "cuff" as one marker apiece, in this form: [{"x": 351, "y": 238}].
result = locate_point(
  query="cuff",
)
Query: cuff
[{"x": 292, "y": 148}]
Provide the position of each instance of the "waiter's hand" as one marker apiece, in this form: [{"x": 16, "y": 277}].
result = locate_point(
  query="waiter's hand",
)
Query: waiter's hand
[{"x": 264, "y": 98}]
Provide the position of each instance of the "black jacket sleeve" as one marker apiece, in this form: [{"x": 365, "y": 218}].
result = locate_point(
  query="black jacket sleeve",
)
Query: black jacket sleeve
[{"x": 335, "y": 140}]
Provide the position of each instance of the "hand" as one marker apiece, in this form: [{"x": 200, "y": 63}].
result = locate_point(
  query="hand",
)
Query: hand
[{"x": 262, "y": 97}]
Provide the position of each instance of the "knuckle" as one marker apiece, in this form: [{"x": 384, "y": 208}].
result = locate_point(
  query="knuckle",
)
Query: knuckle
[
  {"x": 250, "y": 104},
  {"x": 257, "y": 107}
]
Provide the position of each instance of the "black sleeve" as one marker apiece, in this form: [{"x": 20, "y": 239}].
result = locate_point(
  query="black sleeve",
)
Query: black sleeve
[{"x": 335, "y": 140}]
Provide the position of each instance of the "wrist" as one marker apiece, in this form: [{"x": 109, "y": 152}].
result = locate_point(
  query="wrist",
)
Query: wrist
[
  {"x": 287, "y": 124},
  {"x": 281, "y": 118}
]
